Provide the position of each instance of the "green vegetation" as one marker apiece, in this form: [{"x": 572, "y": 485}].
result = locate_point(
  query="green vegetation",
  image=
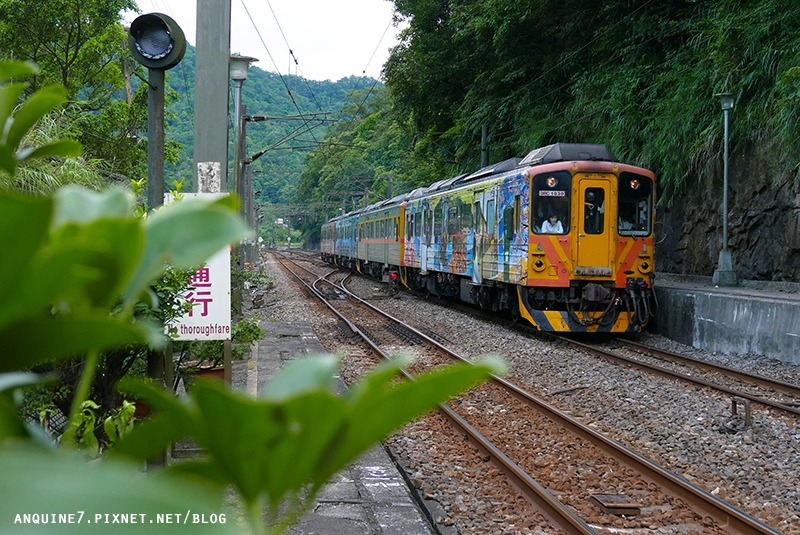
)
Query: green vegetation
[
  {"x": 639, "y": 77},
  {"x": 81, "y": 46},
  {"x": 81, "y": 254}
]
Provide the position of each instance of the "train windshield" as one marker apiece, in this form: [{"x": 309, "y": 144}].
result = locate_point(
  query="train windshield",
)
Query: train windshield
[
  {"x": 635, "y": 211},
  {"x": 550, "y": 202}
]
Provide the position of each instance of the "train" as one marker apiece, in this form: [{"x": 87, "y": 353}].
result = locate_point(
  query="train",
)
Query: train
[{"x": 561, "y": 238}]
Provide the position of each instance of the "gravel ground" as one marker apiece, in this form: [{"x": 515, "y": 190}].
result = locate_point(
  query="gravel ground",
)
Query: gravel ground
[{"x": 686, "y": 429}]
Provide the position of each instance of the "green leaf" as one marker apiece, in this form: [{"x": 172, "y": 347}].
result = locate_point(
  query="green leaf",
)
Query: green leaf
[
  {"x": 172, "y": 421},
  {"x": 10, "y": 70},
  {"x": 313, "y": 423},
  {"x": 7, "y": 161},
  {"x": 11, "y": 425},
  {"x": 20, "y": 241},
  {"x": 69, "y": 485},
  {"x": 62, "y": 148},
  {"x": 32, "y": 110},
  {"x": 97, "y": 259},
  {"x": 239, "y": 434},
  {"x": 379, "y": 377},
  {"x": 379, "y": 411},
  {"x": 38, "y": 340},
  {"x": 185, "y": 234},
  {"x": 81, "y": 206},
  {"x": 10, "y": 381},
  {"x": 9, "y": 97}
]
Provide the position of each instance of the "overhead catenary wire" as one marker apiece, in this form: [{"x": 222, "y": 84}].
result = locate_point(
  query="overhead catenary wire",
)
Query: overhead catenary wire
[{"x": 277, "y": 70}]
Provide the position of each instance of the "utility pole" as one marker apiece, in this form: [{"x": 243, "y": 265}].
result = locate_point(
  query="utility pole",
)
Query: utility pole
[{"x": 211, "y": 94}]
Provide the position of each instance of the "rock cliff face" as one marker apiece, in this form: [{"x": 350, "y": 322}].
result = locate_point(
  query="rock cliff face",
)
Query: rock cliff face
[{"x": 763, "y": 226}]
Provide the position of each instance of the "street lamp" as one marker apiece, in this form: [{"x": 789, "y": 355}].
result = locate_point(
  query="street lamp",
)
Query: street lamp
[
  {"x": 238, "y": 70},
  {"x": 724, "y": 274}
]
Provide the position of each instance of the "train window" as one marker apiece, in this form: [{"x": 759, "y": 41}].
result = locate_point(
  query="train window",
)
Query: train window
[
  {"x": 635, "y": 210},
  {"x": 438, "y": 221},
  {"x": 594, "y": 208},
  {"x": 517, "y": 218},
  {"x": 508, "y": 223},
  {"x": 452, "y": 221},
  {"x": 550, "y": 196},
  {"x": 491, "y": 214},
  {"x": 465, "y": 214},
  {"x": 427, "y": 221}
]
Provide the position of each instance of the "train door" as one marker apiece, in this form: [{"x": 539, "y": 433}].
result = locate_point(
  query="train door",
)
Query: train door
[
  {"x": 385, "y": 243},
  {"x": 479, "y": 230},
  {"x": 425, "y": 239},
  {"x": 484, "y": 256},
  {"x": 593, "y": 228}
]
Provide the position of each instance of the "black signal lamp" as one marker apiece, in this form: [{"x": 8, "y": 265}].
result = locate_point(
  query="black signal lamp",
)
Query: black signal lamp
[{"x": 156, "y": 41}]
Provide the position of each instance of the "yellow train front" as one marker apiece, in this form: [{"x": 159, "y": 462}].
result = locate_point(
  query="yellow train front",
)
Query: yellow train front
[{"x": 590, "y": 242}]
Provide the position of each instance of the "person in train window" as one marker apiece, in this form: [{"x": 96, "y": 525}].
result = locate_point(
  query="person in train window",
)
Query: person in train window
[
  {"x": 592, "y": 214},
  {"x": 552, "y": 225}
]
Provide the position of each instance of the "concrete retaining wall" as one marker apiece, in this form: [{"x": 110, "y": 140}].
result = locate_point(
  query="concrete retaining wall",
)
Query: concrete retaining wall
[{"x": 746, "y": 319}]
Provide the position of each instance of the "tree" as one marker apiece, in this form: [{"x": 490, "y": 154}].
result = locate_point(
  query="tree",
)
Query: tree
[
  {"x": 80, "y": 44},
  {"x": 637, "y": 76}
]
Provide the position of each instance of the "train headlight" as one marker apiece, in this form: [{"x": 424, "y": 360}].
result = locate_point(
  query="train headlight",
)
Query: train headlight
[
  {"x": 552, "y": 181},
  {"x": 538, "y": 265},
  {"x": 645, "y": 267},
  {"x": 634, "y": 184}
]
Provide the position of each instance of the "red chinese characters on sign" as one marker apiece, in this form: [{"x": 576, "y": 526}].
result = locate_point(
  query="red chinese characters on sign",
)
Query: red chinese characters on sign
[
  {"x": 200, "y": 294},
  {"x": 209, "y": 294}
]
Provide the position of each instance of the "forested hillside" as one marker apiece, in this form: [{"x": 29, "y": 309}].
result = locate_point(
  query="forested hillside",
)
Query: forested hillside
[
  {"x": 277, "y": 171},
  {"x": 639, "y": 76}
]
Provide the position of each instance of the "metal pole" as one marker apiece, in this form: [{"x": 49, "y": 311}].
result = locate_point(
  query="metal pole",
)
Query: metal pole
[
  {"x": 237, "y": 135},
  {"x": 724, "y": 275},
  {"x": 211, "y": 94},
  {"x": 236, "y": 287},
  {"x": 251, "y": 214},
  {"x": 155, "y": 139},
  {"x": 242, "y": 190},
  {"x": 725, "y": 188}
]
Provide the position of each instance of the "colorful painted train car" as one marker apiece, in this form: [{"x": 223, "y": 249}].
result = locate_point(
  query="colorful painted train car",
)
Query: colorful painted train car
[{"x": 562, "y": 238}]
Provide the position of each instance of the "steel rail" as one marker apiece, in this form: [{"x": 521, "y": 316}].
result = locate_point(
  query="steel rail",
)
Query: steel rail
[
  {"x": 725, "y": 515},
  {"x": 609, "y": 355},
  {"x": 556, "y": 512},
  {"x": 767, "y": 382}
]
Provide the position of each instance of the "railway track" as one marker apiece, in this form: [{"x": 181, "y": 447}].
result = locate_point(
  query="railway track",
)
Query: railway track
[
  {"x": 534, "y": 421},
  {"x": 738, "y": 393},
  {"x": 743, "y": 387}
]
